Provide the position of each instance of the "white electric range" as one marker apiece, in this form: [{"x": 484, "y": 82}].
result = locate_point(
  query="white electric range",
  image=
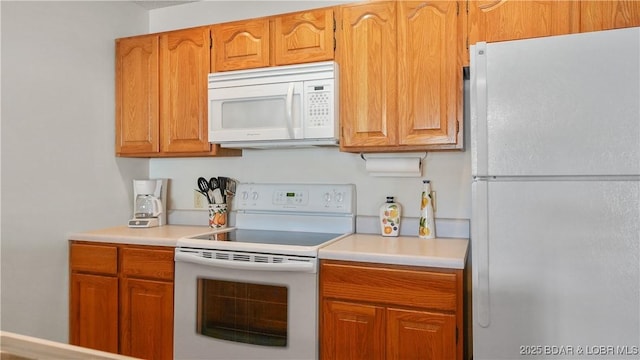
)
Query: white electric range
[{"x": 251, "y": 291}]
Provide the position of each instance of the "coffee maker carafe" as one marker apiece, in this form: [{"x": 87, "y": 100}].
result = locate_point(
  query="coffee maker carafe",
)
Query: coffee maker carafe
[{"x": 148, "y": 203}]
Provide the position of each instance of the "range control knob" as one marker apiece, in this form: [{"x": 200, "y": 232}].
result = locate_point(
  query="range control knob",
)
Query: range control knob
[
  {"x": 339, "y": 197},
  {"x": 326, "y": 197},
  {"x": 245, "y": 195},
  {"x": 254, "y": 195}
]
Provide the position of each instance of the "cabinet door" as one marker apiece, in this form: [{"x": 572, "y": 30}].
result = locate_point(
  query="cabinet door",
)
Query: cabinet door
[
  {"x": 146, "y": 318},
  {"x": 368, "y": 94},
  {"x": 304, "y": 37},
  {"x": 241, "y": 45},
  {"x": 429, "y": 73},
  {"x": 93, "y": 314},
  {"x": 351, "y": 331},
  {"x": 606, "y": 15},
  {"x": 137, "y": 126},
  {"x": 184, "y": 68},
  {"x": 499, "y": 20},
  {"x": 420, "y": 335}
]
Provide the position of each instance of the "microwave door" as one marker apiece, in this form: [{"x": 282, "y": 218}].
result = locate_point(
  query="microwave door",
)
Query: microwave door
[{"x": 256, "y": 112}]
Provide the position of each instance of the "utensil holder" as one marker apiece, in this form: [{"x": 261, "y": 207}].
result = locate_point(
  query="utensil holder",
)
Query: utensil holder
[{"x": 218, "y": 216}]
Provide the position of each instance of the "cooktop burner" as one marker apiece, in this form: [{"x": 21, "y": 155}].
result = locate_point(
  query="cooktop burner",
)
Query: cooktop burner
[{"x": 297, "y": 238}]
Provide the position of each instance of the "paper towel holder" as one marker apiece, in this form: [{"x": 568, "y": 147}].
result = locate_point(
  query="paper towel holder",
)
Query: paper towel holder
[{"x": 403, "y": 164}]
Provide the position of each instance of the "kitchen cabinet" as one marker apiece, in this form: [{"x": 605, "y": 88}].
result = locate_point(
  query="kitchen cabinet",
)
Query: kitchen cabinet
[
  {"x": 286, "y": 39},
  {"x": 376, "y": 311},
  {"x": 500, "y": 20},
  {"x": 121, "y": 299},
  {"x": 304, "y": 37},
  {"x": 606, "y": 15},
  {"x": 161, "y": 95},
  {"x": 400, "y": 75},
  {"x": 240, "y": 45}
]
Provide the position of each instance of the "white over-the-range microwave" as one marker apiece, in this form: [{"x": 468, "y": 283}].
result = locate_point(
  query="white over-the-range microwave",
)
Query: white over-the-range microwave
[{"x": 282, "y": 106}]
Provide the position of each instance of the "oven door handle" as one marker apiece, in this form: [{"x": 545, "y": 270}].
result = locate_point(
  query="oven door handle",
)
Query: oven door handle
[{"x": 245, "y": 265}]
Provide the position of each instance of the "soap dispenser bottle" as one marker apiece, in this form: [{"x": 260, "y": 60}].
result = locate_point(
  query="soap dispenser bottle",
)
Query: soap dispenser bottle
[{"x": 390, "y": 213}]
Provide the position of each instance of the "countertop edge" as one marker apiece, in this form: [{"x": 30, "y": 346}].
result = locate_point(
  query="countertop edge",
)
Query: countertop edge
[{"x": 394, "y": 259}]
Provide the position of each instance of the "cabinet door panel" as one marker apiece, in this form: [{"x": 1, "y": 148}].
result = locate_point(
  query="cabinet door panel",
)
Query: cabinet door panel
[
  {"x": 304, "y": 37},
  {"x": 146, "y": 313},
  {"x": 429, "y": 73},
  {"x": 420, "y": 335},
  {"x": 606, "y": 15},
  {"x": 137, "y": 95},
  {"x": 352, "y": 331},
  {"x": 368, "y": 75},
  {"x": 500, "y": 20},
  {"x": 241, "y": 45},
  {"x": 184, "y": 70},
  {"x": 93, "y": 315}
]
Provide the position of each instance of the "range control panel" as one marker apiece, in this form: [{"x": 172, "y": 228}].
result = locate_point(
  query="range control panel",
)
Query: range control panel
[{"x": 324, "y": 198}]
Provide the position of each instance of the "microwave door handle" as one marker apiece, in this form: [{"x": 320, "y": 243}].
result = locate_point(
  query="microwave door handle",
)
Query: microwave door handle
[{"x": 290, "y": 110}]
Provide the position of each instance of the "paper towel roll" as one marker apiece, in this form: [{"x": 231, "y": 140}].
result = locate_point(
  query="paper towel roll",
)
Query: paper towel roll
[{"x": 390, "y": 166}]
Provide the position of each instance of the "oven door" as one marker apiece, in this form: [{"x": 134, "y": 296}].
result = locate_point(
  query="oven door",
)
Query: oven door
[{"x": 231, "y": 305}]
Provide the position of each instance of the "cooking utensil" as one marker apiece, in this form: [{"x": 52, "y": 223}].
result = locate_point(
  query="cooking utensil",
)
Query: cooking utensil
[
  {"x": 222, "y": 181},
  {"x": 203, "y": 185},
  {"x": 231, "y": 187},
  {"x": 213, "y": 185},
  {"x": 217, "y": 196}
]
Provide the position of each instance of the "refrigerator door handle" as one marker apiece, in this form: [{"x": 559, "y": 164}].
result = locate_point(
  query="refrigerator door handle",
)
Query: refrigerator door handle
[
  {"x": 478, "y": 103},
  {"x": 480, "y": 247}
]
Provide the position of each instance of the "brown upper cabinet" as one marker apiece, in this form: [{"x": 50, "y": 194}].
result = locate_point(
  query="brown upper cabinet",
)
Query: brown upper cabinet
[
  {"x": 606, "y": 15},
  {"x": 501, "y": 20},
  {"x": 293, "y": 38},
  {"x": 401, "y": 75},
  {"x": 240, "y": 45},
  {"x": 161, "y": 95}
]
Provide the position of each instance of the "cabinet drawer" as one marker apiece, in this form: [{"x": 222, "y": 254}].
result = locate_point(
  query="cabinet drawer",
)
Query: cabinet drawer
[
  {"x": 391, "y": 285},
  {"x": 147, "y": 263},
  {"x": 100, "y": 259}
]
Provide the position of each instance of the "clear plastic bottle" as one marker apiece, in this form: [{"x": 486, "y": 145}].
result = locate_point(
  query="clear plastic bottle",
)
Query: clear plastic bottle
[
  {"x": 427, "y": 227},
  {"x": 390, "y": 213}
]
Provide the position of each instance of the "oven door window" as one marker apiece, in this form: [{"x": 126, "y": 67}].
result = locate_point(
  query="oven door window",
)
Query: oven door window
[{"x": 243, "y": 312}]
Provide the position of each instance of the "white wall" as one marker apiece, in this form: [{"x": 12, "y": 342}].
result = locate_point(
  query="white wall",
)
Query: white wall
[
  {"x": 59, "y": 172},
  {"x": 449, "y": 171}
]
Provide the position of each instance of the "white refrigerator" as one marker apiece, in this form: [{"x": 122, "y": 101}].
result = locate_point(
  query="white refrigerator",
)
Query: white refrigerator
[{"x": 555, "y": 228}]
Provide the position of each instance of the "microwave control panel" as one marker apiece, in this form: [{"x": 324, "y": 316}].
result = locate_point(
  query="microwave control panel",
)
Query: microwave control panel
[{"x": 319, "y": 103}]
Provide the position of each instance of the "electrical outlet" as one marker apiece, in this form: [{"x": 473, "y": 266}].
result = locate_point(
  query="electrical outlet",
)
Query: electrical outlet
[
  {"x": 433, "y": 200},
  {"x": 198, "y": 200}
]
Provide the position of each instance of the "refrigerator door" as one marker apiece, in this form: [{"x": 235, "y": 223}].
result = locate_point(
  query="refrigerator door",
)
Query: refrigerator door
[
  {"x": 561, "y": 105},
  {"x": 556, "y": 268}
]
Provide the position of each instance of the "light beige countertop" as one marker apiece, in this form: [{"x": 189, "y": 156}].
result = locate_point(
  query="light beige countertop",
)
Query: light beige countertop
[
  {"x": 166, "y": 235},
  {"x": 403, "y": 250}
]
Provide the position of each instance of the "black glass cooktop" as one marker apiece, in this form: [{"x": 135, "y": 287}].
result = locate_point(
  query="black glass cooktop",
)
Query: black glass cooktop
[{"x": 297, "y": 238}]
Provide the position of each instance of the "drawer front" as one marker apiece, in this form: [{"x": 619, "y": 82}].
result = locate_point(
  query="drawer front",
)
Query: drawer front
[
  {"x": 99, "y": 259},
  {"x": 389, "y": 285},
  {"x": 147, "y": 263}
]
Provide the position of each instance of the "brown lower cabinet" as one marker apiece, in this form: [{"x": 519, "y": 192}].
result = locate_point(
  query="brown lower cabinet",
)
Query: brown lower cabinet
[
  {"x": 375, "y": 311},
  {"x": 121, "y": 298}
]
